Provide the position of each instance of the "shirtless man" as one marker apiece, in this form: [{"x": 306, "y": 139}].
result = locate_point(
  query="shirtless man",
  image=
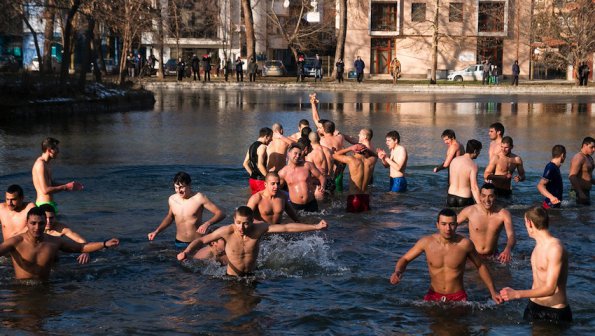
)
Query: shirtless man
[
  {"x": 42, "y": 175},
  {"x": 297, "y": 135},
  {"x": 255, "y": 161},
  {"x": 396, "y": 161},
  {"x": 361, "y": 167},
  {"x": 322, "y": 158},
  {"x": 581, "y": 172},
  {"x": 33, "y": 252},
  {"x": 297, "y": 175},
  {"x": 242, "y": 240},
  {"x": 486, "y": 221},
  {"x": 277, "y": 149},
  {"x": 57, "y": 229},
  {"x": 364, "y": 137},
  {"x": 550, "y": 185},
  {"x": 446, "y": 254},
  {"x": 462, "y": 188},
  {"x": 501, "y": 167},
  {"x": 549, "y": 262},
  {"x": 269, "y": 204},
  {"x": 13, "y": 213},
  {"x": 453, "y": 149},
  {"x": 495, "y": 133},
  {"x": 186, "y": 208}
]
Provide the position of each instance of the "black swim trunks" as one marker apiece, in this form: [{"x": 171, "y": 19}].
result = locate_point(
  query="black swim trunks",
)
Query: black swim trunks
[
  {"x": 535, "y": 312},
  {"x": 311, "y": 206},
  {"x": 505, "y": 193},
  {"x": 458, "y": 201}
]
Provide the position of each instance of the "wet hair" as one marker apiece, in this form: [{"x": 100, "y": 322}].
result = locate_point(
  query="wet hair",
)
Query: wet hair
[
  {"x": 304, "y": 122},
  {"x": 587, "y": 141},
  {"x": 244, "y": 211},
  {"x": 473, "y": 146},
  {"x": 539, "y": 217},
  {"x": 498, "y": 127},
  {"x": 329, "y": 127},
  {"x": 295, "y": 145},
  {"x": 394, "y": 135},
  {"x": 265, "y": 132},
  {"x": 15, "y": 189},
  {"x": 508, "y": 140},
  {"x": 35, "y": 211},
  {"x": 368, "y": 133},
  {"x": 446, "y": 212},
  {"x": 305, "y": 132},
  {"x": 47, "y": 208},
  {"x": 488, "y": 186},
  {"x": 449, "y": 134},
  {"x": 271, "y": 174},
  {"x": 182, "y": 178},
  {"x": 314, "y": 137},
  {"x": 49, "y": 143},
  {"x": 558, "y": 151}
]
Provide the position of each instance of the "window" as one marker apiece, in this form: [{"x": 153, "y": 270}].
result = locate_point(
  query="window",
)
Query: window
[
  {"x": 384, "y": 17},
  {"x": 418, "y": 12},
  {"x": 455, "y": 12},
  {"x": 491, "y": 16}
]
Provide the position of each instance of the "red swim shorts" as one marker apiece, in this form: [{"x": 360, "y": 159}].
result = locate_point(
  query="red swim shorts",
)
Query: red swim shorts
[
  {"x": 358, "y": 203},
  {"x": 458, "y": 296},
  {"x": 256, "y": 185}
]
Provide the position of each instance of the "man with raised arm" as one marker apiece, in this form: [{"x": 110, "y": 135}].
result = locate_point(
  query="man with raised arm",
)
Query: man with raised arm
[
  {"x": 42, "y": 175},
  {"x": 13, "y": 212},
  {"x": 462, "y": 184},
  {"x": 186, "y": 209},
  {"x": 550, "y": 185},
  {"x": 361, "y": 167},
  {"x": 277, "y": 149},
  {"x": 446, "y": 254},
  {"x": 453, "y": 149},
  {"x": 255, "y": 161},
  {"x": 495, "y": 133},
  {"x": 269, "y": 204},
  {"x": 298, "y": 175},
  {"x": 486, "y": 221},
  {"x": 396, "y": 161},
  {"x": 549, "y": 263},
  {"x": 242, "y": 240},
  {"x": 501, "y": 167},
  {"x": 34, "y": 252},
  {"x": 581, "y": 171},
  {"x": 57, "y": 229}
]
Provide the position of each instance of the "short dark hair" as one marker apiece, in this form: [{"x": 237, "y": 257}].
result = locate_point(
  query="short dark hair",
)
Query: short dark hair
[
  {"x": 587, "y": 141},
  {"x": 394, "y": 135},
  {"x": 271, "y": 174},
  {"x": 449, "y": 134},
  {"x": 244, "y": 211},
  {"x": 473, "y": 146},
  {"x": 558, "y": 151},
  {"x": 329, "y": 127},
  {"x": 296, "y": 145},
  {"x": 182, "y": 178},
  {"x": 49, "y": 143},
  {"x": 304, "y": 122},
  {"x": 539, "y": 217},
  {"x": 508, "y": 140},
  {"x": 305, "y": 132},
  {"x": 446, "y": 212},
  {"x": 35, "y": 211},
  {"x": 47, "y": 208},
  {"x": 498, "y": 127},
  {"x": 15, "y": 189},
  {"x": 264, "y": 132},
  {"x": 488, "y": 186}
]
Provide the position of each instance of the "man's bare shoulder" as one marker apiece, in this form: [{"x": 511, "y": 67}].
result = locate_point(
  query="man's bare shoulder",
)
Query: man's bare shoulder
[
  {"x": 465, "y": 243},
  {"x": 502, "y": 212},
  {"x": 200, "y": 198}
]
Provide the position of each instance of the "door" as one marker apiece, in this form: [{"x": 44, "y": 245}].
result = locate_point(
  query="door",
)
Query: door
[{"x": 382, "y": 51}]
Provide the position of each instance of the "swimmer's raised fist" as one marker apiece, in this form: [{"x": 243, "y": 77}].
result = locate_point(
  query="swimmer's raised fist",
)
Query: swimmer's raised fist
[{"x": 322, "y": 225}]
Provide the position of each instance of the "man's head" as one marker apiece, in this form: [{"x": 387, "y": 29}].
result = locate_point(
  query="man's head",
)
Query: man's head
[
  {"x": 329, "y": 127},
  {"x": 314, "y": 138},
  {"x": 303, "y": 123},
  {"x": 242, "y": 220},
  {"x": 271, "y": 183},
  {"x": 507, "y": 145},
  {"x": 448, "y": 136},
  {"x": 559, "y": 151},
  {"x": 266, "y": 134},
  {"x": 393, "y": 138},
  {"x": 536, "y": 217},
  {"x": 588, "y": 146},
  {"x": 50, "y": 215},
  {"x": 496, "y": 131},
  {"x": 278, "y": 128},
  {"x": 305, "y": 132},
  {"x": 294, "y": 153},
  {"x": 487, "y": 195},
  {"x": 50, "y": 145},
  {"x": 14, "y": 197},
  {"x": 365, "y": 134},
  {"x": 182, "y": 183},
  {"x": 36, "y": 221},
  {"x": 473, "y": 148},
  {"x": 446, "y": 223}
]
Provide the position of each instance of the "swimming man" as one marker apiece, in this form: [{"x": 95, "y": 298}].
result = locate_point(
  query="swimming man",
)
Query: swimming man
[{"x": 13, "y": 212}]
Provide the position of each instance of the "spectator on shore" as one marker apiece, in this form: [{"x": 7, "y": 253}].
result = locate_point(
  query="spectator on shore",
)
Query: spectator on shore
[
  {"x": 252, "y": 70},
  {"x": 239, "y": 70},
  {"x": 359, "y": 66},
  {"x": 340, "y": 70},
  {"x": 516, "y": 70}
]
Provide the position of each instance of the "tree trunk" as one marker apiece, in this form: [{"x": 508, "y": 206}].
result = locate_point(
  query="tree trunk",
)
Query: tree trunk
[
  {"x": 97, "y": 58},
  {"x": 48, "y": 36},
  {"x": 341, "y": 34},
  {"x": 35, "y": 42},
  {"x": 67, "y": 38},
  {"x": 435, "y": 40},
  {"x": 249, "y": 25},
  {"x": 86, "y": 55}
]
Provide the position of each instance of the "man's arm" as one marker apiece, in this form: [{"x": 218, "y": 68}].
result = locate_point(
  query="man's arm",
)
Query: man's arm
[
  {"x": 473, "y": 184},
  {"x": 554, "y": 266},
  {"x": 490, "y": 169},
  {"x": 290, "y": 210},
  {"x": 318, "y": 175},
  {"x": 218, "y": 214},
  {"x": 287, "y": 140},
  {"x": 464, "y": 214},
  {"x": 574, "y": 174},
  {"x": 46, "y": 187},
  {"x": 341, "y": 154},
  {"x": 402, "y": 263},
  {"x": 484, "y": 272},
  {"x": 296, "y": 227},
  {"x": 246, "y": 163},
  {"x": 9, "y": 244},
  {"x": 505, "y": 256},
  {"x": 73, "y": 247},
  {"x": 169, "y": 218},
  {"x": 202, "y": 241},
  {"x": 315, "y": 115},
  {"x": 350, "y": 139},
  {"x": 520, "y": 170},
  {"x": 262, "y": 155},
  {"x": 541, "y": 187}
]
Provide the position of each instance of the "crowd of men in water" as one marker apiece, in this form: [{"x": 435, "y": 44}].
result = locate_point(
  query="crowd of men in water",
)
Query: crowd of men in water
[{"x": 291, "y": 174}]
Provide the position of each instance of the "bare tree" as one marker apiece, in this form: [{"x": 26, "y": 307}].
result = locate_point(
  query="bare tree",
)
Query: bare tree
[
  {"x": 341, "y": 33},
  {"x": 249, "y": 29}
]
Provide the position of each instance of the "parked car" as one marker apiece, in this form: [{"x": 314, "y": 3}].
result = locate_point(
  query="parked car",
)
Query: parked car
[
  {"x": 309, "y": 70},
  {"x": 471, "y": 73},
  {"x": 8, "y": 63},
  {"x": 34, "y": 66},
  {"x": 273, "y": 68},
  {"x": 171, "y": 68}
]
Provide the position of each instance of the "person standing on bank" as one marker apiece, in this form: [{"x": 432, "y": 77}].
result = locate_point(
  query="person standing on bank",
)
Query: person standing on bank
[
  {"x": 239, "y": 70},
  {"x": 300, "y": 68},
  {"x": 181, "y": 68},
  {"x": 227, "y": 66},
  {"x": 252, "y": 70},
  {"x": 206, "y": 66},
  {"x": 318, "y": 68},
  {"x": 195, "y": 67},
  {"x": 340, "y": 70},
  {"x": 516, "y": 71},
  {"x": 359, "y": 66}
]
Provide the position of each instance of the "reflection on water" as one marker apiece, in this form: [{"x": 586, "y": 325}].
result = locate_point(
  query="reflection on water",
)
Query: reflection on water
[{"x": 334, "y": 282}]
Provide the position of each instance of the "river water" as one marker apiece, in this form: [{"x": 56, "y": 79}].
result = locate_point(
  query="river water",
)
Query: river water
[{"x": 331, "y": 282}]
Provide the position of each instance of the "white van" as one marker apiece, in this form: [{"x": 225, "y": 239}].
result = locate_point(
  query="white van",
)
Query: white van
[{"x": 471, "y": 73}]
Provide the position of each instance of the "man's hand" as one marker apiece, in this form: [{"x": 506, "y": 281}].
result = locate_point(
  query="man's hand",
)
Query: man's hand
[
  {"x": 497, "y": 298},
  {"x": 74, "y": 186},
  {"x": 152, "y": 235},
  {"x": 319, "y": 193},
  {"x": 395, "y": 278},
  {"x": 83, "y": 258},
  {"x": 182, "y": 256},
  {"x": 505, "y": 256},
  {"x": 322, "y": 225},
  {"x": 554, "y": 200},
  {"x": 111, "y": 243},
  {"x": 508, "y": 294},
  {"x": 381, "y": 154},
  {"x": 203, "y": 228}
]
